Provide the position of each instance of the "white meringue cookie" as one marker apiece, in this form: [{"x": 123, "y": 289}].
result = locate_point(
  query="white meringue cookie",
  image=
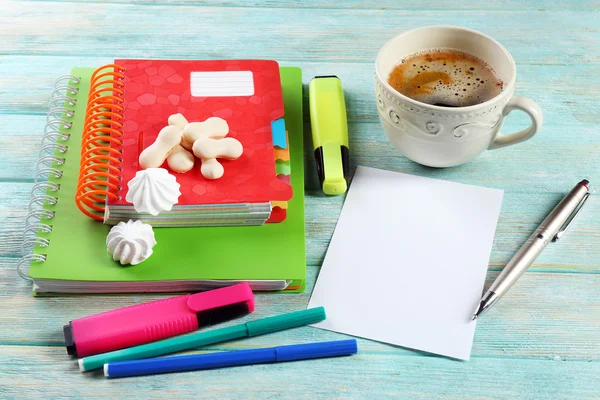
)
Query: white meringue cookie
[
  {"x": 130, "y": 242},
  {"x": 152, "y": 191}
]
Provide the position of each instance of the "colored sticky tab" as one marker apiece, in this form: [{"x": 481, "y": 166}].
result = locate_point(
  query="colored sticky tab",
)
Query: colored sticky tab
[
  {"x": 277, "y": 215},
  {"x": 278, "y": 132},
  {"x": 280, "y": 204},
  {"x": 284, "y": 178},
  {"x": 283, "y": 154},
  {"x": 282, "y": 167}
]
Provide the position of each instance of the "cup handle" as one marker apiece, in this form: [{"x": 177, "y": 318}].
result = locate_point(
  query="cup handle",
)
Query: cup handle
[{"x": 535, "y": 113}]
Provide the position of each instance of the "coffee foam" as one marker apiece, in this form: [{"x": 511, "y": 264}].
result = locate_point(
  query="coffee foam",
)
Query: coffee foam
[{"x": 445, "y": 77}]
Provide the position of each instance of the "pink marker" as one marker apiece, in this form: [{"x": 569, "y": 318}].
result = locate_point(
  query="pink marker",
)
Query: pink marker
[{"x": 156, "y": 320}]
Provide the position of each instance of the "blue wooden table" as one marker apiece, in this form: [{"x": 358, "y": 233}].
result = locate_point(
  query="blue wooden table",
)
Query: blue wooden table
[{"x": 541, "y": 342}]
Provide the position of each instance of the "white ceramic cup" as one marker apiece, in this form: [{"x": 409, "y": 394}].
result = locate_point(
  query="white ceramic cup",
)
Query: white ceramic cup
[{"x": 445, "y": 136}]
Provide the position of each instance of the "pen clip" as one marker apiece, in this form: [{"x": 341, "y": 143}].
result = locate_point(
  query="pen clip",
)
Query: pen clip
[{"x": 571, "y": 218}]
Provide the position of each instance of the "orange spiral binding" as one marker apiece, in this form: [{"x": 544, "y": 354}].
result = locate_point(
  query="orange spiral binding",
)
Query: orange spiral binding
[{"x": 100, "y": 167}]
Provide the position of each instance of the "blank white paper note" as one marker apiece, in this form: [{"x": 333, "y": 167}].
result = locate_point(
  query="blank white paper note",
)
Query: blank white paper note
[{"x": 407, "y": 261}]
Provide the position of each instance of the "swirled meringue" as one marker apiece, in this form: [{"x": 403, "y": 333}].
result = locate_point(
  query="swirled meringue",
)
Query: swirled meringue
[
  {"x": 130, "y": 242},
  {"x": 152, "y": 191}
]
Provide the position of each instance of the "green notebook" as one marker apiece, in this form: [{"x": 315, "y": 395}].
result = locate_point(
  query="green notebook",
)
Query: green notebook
[{"x": 74, "y": 259}]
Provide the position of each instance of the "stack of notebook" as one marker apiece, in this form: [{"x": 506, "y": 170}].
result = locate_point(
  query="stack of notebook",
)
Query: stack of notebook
[
  {"x": 132, "y": 101},
  {"x": 70, "y": 255}
]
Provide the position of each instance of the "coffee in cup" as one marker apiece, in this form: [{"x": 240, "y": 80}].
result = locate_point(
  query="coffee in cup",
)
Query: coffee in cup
[{"x": 446, "y": 78}]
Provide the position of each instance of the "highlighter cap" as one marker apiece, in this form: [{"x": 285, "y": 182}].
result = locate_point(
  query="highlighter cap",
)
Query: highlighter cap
[
  {"x": 332, "y": 175},
  {"x": 220, "y": 305},
  {"x": 156, "y": 320},
  {"x": 329, "y": 127}
]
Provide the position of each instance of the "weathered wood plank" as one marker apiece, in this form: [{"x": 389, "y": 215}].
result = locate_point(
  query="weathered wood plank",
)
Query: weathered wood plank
[
  {"x": 545, "y": 315},
  {"x": 431, "y": 5},
  {"x": 578, "y": 250},
  {"x": 573, "y": 150},
  {"x": 372, "y": 373},
  {"x": 563, "y": 91},
  {"x": 330, "y": 34},
  {"x": 20, "y": 139},
  {"x": 539, "y": 158}
]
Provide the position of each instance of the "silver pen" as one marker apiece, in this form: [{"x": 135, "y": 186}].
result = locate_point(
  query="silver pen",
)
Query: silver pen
[{"x": 551, "y": 229}]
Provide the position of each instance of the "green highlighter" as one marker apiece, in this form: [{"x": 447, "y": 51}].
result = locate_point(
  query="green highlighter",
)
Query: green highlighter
[
  {"x": 329, "y": 133},
  {"x": 198, "y": 339}
]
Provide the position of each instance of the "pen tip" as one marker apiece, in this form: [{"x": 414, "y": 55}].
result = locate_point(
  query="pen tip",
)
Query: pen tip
[{"x": 474, "y": 317}]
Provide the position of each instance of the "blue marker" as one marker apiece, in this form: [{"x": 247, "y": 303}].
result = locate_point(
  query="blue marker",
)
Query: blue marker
[{"x": 230, "y": 358}]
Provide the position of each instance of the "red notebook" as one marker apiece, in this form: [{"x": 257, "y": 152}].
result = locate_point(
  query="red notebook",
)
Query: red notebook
[
  {"x": 245, "y": 93},
  {"x": 154, "y": 90}
]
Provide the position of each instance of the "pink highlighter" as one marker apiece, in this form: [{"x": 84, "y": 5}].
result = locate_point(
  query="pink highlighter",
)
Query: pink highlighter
[{"x": 156, "y": 320}]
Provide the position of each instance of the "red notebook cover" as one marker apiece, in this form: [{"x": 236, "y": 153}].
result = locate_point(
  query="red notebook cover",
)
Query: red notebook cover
[{"x": 249, "y": 101}]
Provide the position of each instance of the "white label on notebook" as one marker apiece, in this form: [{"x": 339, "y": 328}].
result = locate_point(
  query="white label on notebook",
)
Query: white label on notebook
[{"x": 222, "y": 83}]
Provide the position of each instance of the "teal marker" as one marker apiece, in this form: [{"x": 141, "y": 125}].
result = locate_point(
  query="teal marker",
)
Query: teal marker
[
  {"x": 198, "y": 339},
  {"x": 329, "y": 126}
]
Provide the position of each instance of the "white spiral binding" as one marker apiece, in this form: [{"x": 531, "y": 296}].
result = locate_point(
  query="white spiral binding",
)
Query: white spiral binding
[
  {"x": 46, "y": 173},
  {"x": 50, "y": 148},
  {"x": 38, "y": 201},
  {"x": 66, "y": 78},
  {"x": 33, "y": 230},
  {"x": 53, "y": 138},
  {"x": 53, "y": 143},
  {"x": 28, "y": 259},
  {"x": 64, "y": 90},
  {"x": 43, "y": 187},
  {"x": 37, "y": 215},
  {"x": 55, "y": 124},
  {"x": 47, "y": 161},
  {"x": 58, "y": 112},
  {"x": 32, "y": 241},
  {"x": 52, "y": 129},
  {"x": 61, "y": 100}
]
